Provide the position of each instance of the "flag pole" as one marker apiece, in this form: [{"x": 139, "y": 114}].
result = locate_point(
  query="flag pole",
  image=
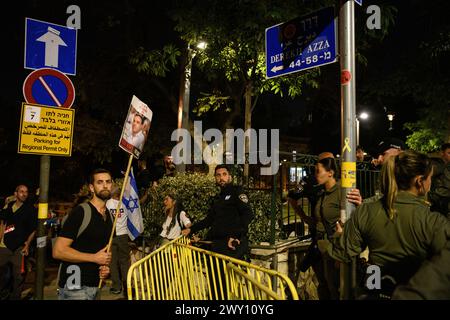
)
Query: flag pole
[{"x": 125, "y": 181}]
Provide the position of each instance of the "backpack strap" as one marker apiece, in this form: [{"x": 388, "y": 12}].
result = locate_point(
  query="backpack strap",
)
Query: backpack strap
[{"x": 180, "y": 223}]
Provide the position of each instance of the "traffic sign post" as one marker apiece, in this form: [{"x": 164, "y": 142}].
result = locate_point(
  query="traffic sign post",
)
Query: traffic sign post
[
  {"x": 50, "y": 45},
  {"x": 303, "y": 43},
  {"x": 51, "y": 48},
  {"x": 49, "y": 87},
  {"x": 348, "y": 122}
]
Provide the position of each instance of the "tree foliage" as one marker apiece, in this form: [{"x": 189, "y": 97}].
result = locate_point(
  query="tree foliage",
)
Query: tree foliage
[
  {"x": 234, "y": 59},
  {"x": 416, "y": 70},
  {"x": 426, "y": 136}
]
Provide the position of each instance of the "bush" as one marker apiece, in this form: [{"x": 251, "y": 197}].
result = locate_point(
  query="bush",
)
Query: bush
[{"x": 196, "y": 191}]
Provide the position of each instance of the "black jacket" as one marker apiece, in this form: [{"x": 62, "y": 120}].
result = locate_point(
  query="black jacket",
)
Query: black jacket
[{"x": 229, "y": 215}]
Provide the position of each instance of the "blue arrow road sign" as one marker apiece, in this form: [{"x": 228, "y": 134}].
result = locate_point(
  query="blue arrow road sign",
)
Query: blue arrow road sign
[
  {"x": 302, "y": 43},
  {"x": 49, "y": 45}
]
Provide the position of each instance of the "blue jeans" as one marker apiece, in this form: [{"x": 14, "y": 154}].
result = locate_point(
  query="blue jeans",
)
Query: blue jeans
[{"x": 85, "y": 293}]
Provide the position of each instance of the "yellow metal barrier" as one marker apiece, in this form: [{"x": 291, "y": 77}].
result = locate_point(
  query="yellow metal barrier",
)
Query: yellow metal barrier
[{"x": 178, "y": 271}]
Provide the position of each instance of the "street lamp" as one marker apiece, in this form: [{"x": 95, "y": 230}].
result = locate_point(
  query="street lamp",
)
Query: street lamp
[
  {"x": 185, "y": 88},
  {"x": 390, "y": 116},
  {"x": 362, "y": 116}
]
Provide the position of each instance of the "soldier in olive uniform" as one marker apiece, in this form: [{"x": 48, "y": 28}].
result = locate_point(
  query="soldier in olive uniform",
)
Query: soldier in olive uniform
[
  {"x": 228, "y": 217},
  {"x": 326, "y": 214},
  {"x": 399, "y": 229}
]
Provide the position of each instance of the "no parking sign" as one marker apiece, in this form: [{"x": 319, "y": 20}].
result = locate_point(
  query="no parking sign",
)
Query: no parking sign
[{"x": 49, "y": 87}]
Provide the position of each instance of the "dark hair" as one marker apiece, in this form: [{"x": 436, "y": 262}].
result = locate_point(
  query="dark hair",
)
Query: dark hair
[
  {"x": 221, "y": 166},
  {"x": 21, "y": 185},
  {"x": 358, "y": 147},
  {"x": 140, "y": 116},
  {"x": 97, "y": 171},
  {"x": 445, "y": 146},
  {"x": 398, "y": 173},
  {"x": 176, "y": 211},
  {"x": 329, "y": 164}
]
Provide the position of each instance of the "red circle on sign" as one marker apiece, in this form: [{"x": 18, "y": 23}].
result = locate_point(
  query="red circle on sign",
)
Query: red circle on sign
[
  {"x": 35, "y": 75},
  {"x": 289, "y": 31},
  {"x": 345, "y": 76}
]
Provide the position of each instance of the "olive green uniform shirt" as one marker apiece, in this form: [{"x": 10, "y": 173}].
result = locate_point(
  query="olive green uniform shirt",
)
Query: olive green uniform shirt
[
  {"x": 399, "y": 245},
  {"x": 431, "y": 282},
  {"x": 330, "y": 208}
]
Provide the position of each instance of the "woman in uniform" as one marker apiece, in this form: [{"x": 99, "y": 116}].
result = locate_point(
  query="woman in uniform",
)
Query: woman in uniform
[
  {"x": 323, "y": 222},
  {"x": 399, "y": 229}
]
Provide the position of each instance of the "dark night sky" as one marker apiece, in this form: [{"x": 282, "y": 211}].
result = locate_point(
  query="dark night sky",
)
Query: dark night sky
[{"x": 290, "y": 114}]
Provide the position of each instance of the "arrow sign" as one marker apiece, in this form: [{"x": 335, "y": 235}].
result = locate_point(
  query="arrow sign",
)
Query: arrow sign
[
  {"x": 52, "y": 42},
  {"x": 50, "y": 45},
  {"x": 276, "y": 69}
]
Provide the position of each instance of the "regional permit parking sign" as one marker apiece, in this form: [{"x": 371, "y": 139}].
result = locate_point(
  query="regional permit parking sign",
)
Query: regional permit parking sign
[
  {"x": 46, "y": 130},
  {"x": 302, "y": 43}
]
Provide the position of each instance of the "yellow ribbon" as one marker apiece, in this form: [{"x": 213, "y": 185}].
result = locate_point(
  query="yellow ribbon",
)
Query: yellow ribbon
[{"x": 347, "y": 145}]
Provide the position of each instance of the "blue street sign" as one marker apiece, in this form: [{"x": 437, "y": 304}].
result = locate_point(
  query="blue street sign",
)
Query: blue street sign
[
  {"x": 49, "y": 45},
  {"x": 303, "y": 43},
  {"x": 359, "y": 2}
]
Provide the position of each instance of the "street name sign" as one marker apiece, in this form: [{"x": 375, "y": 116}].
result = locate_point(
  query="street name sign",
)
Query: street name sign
[{"x": 302, "y": 43}]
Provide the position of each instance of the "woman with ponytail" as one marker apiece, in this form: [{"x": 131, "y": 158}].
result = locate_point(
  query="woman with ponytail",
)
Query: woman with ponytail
[
  {"x": 399, "y": 229},
  {"x": 322, "y": 224}
]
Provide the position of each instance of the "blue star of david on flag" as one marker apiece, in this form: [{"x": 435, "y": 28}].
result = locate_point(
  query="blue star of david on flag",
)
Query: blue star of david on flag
[
  {"x": 130, "y": 199},
  {"x": 131, "y": 203}
]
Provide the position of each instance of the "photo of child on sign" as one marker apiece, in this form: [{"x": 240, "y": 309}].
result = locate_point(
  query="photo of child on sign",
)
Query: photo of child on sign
[{"x": 136, "y": 127}]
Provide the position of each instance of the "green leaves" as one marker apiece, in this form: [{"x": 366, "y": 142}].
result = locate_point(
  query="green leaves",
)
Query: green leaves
[
  {"x": 155, "y": 62},
  {"x": 429, "y": 133},
  {"x": 211, "y": 102}
]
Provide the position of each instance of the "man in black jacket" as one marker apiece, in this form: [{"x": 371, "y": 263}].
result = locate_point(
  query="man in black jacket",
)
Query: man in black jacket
[
  {"x": 228, "y": 217},
  {"x": 18, "y": 227}
]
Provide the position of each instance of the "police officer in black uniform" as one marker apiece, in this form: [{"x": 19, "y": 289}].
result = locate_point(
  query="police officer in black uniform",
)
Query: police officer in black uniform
[{"x": 229, "y": 217}]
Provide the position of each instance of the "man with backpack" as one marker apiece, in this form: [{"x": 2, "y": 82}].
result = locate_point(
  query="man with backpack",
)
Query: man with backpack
[{"x": 81, "y": 245}]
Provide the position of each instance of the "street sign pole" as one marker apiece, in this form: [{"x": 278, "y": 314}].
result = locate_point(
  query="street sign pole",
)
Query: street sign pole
[
  {"x": 51, "y": 48},
  {"x": 41, "y": 234},
  {"x": 348, "y": 119}
]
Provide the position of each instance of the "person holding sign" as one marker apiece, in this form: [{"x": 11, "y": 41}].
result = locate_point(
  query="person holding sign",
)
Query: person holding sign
[{"x": 81, "y": 245}]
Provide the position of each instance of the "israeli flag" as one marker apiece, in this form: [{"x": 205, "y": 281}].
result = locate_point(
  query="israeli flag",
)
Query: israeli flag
[{"x": 130, "y": 201}]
